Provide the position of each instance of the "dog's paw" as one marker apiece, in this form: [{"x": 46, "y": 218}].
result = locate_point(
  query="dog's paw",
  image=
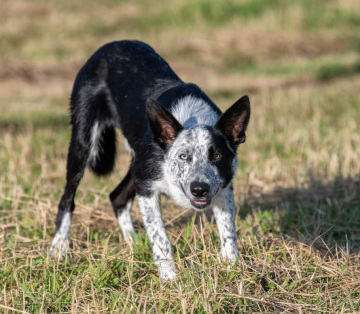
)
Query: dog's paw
[
  {"x": 230, "y": 256},
  {"x": 59, "y": 246},
  {"x": 129, "y": 237},
  {"x": 167, "y": 271}
]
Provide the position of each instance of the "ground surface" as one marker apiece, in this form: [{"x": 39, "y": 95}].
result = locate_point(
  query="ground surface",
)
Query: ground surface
[{"x": 297, "y": 188}]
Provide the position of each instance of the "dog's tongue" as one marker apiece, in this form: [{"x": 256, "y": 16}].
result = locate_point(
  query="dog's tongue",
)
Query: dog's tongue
[{"x": 200, "y": 202}]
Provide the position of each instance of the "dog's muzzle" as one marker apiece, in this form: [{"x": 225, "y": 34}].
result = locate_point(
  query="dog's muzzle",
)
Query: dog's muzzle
[{"x": 199, "y": 191}]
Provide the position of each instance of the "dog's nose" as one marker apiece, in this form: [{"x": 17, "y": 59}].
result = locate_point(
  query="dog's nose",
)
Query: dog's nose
[{"x": 199, "y": 189}]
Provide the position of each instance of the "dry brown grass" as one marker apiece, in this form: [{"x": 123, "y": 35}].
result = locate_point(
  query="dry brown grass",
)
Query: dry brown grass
[{"x": 297, "y": 188}]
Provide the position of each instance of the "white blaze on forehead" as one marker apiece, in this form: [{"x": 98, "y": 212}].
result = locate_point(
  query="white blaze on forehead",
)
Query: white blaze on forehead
[{"x": 190, "y": 111}]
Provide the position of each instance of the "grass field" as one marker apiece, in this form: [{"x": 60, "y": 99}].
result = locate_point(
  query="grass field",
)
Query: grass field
[{"x": 298, "y": 184}]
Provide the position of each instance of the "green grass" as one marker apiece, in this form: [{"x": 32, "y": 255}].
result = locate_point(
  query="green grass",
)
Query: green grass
[
  {"x": 297, "y": 189},
  {"x": 334, "y": 17},
  {"x": 321, "y": 68},
  {"x": 212, "y": 13},
  {"x": 330, "y": 71},
  {"x": 316, "y": 14}
]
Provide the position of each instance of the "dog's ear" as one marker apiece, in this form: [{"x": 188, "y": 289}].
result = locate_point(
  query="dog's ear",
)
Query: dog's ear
[
  {"x": 164, "y": 126},
  {"x": 234, "y": 121}
]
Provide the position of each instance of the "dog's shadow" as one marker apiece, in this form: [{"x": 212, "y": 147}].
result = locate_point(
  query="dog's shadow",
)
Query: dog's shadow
[{"x": 322, "y": 210}]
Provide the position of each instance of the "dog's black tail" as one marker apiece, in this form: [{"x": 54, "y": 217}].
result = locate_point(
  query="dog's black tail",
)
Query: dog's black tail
[{"x": 102, "y": 163}]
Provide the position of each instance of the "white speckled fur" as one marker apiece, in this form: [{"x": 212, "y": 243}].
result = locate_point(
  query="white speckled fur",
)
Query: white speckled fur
[
  {"x": 160, "y": 243},
  {"x": 125, "y": 223},
  {"x": 178, "y": 173},
  {"x": 194, "y": 114},
  {"x": 60, "y": 242},
  {"x": 224, "y": 212}
]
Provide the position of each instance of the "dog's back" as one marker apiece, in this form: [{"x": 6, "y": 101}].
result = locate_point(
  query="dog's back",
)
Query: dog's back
[{"x": 111, "y": 90}]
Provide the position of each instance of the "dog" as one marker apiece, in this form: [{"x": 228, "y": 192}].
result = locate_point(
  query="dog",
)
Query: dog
[{"x": 182, "y": 146}]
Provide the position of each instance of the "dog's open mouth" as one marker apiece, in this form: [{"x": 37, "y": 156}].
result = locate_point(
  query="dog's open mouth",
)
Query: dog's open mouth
[{"x": 200, "y": 204}]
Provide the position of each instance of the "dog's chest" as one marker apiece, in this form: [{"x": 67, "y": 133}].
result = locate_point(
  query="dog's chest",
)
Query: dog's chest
[{"x": 162, "y": 187}]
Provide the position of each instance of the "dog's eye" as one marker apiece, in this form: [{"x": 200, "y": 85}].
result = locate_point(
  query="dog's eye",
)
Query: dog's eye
[
  {"x": 183, "y": 156},
  {"x": 217, "y": 156}
]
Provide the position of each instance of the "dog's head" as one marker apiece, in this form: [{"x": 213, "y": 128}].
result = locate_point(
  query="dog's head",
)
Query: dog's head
[{"x": 200, "y": 161}]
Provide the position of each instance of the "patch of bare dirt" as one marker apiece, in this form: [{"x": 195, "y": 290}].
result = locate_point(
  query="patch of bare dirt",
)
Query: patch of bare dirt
[{"x": 34, "y": 9}]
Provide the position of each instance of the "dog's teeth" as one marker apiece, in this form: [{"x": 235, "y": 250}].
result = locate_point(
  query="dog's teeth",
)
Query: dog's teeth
[{"x": 200, "y": 202}]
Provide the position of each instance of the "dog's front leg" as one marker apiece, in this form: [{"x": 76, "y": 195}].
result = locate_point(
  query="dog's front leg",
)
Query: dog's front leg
[
  {"x": 160, "y": 243},
  {"x": 224, "y": 212}
]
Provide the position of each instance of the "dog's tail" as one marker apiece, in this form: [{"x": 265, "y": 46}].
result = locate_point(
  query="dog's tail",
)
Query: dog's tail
[{"x": 103, "y": 153}]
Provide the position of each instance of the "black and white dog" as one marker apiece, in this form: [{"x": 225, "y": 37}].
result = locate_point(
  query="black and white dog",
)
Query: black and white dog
[{"x": 182, "y": 145}]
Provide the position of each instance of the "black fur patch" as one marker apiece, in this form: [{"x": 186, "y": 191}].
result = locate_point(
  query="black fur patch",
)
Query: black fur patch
[{"x": 225, "y": 163}]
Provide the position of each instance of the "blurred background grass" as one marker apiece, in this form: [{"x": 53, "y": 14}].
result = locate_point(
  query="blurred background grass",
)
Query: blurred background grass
[
  {"x": 228, "y": 47},
  {"x": 298, "y": 176}
]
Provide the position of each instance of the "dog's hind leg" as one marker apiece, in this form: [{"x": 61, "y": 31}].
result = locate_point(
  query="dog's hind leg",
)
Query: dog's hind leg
[
  {"x": 93, "y": 140},
  {"x": 122, "y": 199},
  {"x": 76, "y": 163},
  {"x": 85, "y": 138}
]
